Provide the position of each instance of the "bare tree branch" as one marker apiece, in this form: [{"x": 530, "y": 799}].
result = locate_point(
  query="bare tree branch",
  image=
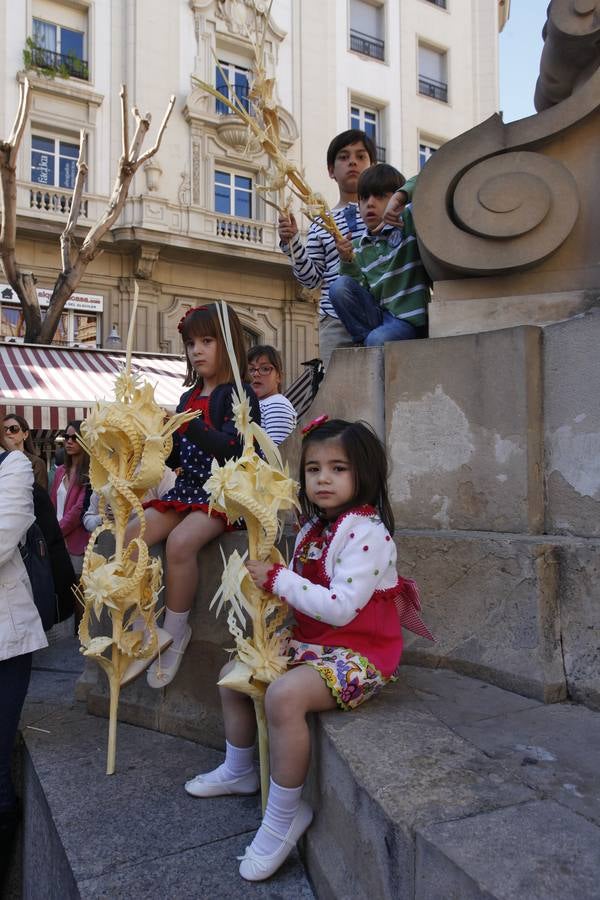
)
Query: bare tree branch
[
  {"x": 18, "y": 128},
  {"x": 22, "y": 283},
  {"x": 66, "y": 238},
  {"x": 124, "y": 121},
  {"x": 142, "y": 126},
  {"x": 129, "y": 163},
  {"x": 149, "y": 153}
]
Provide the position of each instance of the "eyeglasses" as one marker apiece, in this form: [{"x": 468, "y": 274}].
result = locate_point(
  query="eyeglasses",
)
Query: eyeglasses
[
  {"x": 260, "y": 370},
  {"x": 70, "y": 437},
  {"x": 12, "y": 429}
]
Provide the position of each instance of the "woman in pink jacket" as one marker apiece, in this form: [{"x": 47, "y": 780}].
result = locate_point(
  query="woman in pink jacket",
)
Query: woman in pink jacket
[{"x": 68, "y": 494}]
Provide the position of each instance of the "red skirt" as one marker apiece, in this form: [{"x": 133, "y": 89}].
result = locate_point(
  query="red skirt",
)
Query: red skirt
[{"x": 180, "y": 507}]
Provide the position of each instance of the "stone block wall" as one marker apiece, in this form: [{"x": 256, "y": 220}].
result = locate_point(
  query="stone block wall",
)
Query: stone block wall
[{"x": 494, "y": 441}]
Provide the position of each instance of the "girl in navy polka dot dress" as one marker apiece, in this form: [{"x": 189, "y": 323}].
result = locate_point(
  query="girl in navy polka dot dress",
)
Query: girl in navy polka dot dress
[
  {"x": 350, "y": 606},
  {"x": 181, "y": 517}
]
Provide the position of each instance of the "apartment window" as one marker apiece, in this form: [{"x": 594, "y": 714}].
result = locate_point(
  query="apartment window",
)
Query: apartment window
[
  {"x": 367, "y": 29},
  {"x": 230, "y": 78},
  {"x": 426, "y": 151},
  {"x": 59, "y": 48},
  {"x": 440, "y": 3},
  {"x": 53, "y": 162},
  {"x": 233, "y": 194},
  {"x": 367, "y": 120},
  {"x": 433, "y": 73}
]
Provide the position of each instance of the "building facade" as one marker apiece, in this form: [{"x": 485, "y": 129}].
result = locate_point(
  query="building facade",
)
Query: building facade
[{"x": 412, "y": 73}]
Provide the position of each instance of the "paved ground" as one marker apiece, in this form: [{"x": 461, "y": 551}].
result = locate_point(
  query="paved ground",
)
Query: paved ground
[
  {"x": 443, "y": 788},
  {"x": 136, "y": 834}
]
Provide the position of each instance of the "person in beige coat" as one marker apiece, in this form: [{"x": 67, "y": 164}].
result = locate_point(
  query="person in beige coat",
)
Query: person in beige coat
[{"x": 21, "y": 630}]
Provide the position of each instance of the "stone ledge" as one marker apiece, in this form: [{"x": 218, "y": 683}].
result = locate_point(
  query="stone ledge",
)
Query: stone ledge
[
  {"x": 419, "y": 788},
  {"x": 520, "y": 611}
]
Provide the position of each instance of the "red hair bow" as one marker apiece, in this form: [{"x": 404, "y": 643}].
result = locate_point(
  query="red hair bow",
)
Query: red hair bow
[
  {"x": 188, "y": 313},
  {"x": 316, "y": 423}
]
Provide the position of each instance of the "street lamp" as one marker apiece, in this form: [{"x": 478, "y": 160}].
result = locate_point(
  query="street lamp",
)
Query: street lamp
[{"x": 113, "y": 341}]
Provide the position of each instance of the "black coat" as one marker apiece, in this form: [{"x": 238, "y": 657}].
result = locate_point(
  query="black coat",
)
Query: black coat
[{"x": 62, "y": 567}]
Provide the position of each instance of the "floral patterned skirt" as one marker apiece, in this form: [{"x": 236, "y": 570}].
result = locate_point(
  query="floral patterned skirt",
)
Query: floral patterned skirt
[{"x": 350, "y": 677}]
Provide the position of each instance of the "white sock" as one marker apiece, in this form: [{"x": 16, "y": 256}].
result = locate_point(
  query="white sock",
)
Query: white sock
[
  {"x": 175, "y": 624},
  {"x": 282, "y": 806},
  {"x": 239, "y": 761}
]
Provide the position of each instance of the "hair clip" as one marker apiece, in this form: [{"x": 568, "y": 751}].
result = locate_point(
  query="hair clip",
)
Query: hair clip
[
  {"x": 188, "y": 313},
  {"x": 316, "y": 423}
]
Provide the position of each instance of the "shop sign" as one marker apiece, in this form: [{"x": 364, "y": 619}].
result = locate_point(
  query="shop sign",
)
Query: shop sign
[{"x": 81, "y": 302}]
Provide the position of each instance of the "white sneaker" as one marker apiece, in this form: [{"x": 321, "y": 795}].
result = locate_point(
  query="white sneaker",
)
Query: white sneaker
[
  {"x": 245, "y": 784},
  {"x": 159, "y": 674}
]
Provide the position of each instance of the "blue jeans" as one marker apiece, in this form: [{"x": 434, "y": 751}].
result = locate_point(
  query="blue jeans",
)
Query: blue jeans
[{"x": 365, "y": 321}]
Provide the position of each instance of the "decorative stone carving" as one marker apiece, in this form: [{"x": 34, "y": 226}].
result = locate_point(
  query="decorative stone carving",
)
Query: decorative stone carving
[
  {"x": 507, "y": 216},
  {"x": 153, "y": 171},
  {"x": 184, "y": 191},
  {"x": 240, "y": 16},
  {"x": 232, "y": 132},
  {"x": 499, "y": 198},
  {"x": 196, "y": 173},
  {"x": 146, "y": 258},
  {"x": 570, "y": 55}
]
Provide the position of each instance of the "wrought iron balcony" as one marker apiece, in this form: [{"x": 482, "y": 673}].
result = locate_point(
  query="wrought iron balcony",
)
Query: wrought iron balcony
[
  {"x": 431, "y": 88},
  {"x": 65, "y": 64},
  {"x": 380, "y": 154},
  {"x": 366, "y": 45}
]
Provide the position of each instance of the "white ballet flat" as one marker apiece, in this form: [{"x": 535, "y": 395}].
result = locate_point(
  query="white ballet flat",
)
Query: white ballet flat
[
  {"x": 137, "y": 666},
  {"x": 245, "y": 784},
  {"x": 254, "y": 867},
  {"x": 160, "y": 675}
]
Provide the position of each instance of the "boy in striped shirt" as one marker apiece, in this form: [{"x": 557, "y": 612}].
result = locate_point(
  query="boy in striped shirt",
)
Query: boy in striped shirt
[
  {"x": 316, "y": 265},
  {"x": 383, "y": 289}
]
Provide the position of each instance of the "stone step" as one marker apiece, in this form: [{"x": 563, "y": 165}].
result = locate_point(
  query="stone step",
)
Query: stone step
[
  {"x": 447, "y": 788},
  {"x": 441, "y": 788}
]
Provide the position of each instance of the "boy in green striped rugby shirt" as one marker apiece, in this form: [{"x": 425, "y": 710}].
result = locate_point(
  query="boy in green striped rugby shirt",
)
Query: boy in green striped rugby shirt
[{"x": 383, "y": 289}]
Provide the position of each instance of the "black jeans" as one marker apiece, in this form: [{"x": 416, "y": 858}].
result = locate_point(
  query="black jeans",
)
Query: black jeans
[{"x": 14, "y": 681}]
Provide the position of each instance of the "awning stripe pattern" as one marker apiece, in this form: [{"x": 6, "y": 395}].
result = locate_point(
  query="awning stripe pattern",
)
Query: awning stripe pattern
[{"x": 49, "y": 385}]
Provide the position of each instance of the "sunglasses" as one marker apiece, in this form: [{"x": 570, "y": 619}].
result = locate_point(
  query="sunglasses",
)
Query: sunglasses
[
  {"x": 70, "y": 437},
  {"x": 12, "y": 429},
  {"x": 260, "y": 370}
]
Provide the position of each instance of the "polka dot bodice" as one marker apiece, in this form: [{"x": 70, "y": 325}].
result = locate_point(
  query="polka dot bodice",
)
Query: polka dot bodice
[{"x": 195, "y": 462}]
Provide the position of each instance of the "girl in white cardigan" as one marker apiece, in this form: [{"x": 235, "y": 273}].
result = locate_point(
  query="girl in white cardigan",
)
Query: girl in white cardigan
[{"x": 349, "y": 604}]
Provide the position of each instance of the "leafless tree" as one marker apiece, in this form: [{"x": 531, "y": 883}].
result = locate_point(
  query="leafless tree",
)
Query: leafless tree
[{"x": 74, "y": 261}]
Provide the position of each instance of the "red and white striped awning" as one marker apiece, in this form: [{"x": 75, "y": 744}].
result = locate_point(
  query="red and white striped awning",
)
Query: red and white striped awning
[{"x": 49, "y": 386}]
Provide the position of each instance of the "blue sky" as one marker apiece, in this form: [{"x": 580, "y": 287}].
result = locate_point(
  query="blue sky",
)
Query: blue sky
[{"x": 520, "y": 48}]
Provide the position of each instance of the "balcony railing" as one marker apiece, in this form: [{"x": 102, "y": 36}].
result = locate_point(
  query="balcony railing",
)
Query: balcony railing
[
  {"x": 431, "y": 88},
  {"x": 239, "y": 230},
  {"x": 65, "y": 64},
  {"x": 380, "y": 154},
  {"x": 366, "y": 44},
  {"x": 54, "y": 200}
]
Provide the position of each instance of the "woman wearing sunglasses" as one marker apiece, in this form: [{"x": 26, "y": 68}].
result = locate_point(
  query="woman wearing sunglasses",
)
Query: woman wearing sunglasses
[
  {"x": 277, "y": 415},
  {"x": 68, "y": 495},
  {"x": 15, "y": 435}
]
